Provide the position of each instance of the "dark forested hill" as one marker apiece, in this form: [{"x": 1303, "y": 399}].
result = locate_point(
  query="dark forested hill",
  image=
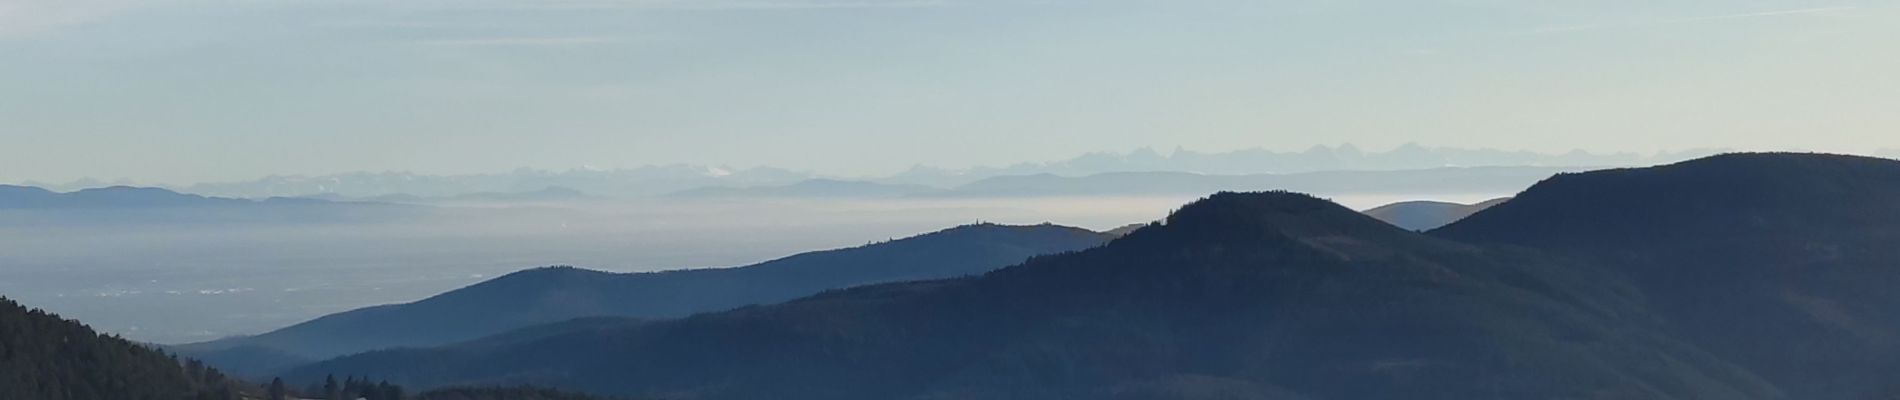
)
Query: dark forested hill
[
  {"x": 1787, "y": 264},
  {"x": 1427, "y": 215},
  {"x": 1238, "y": 296},
  {"x": 45, "y": 357},
  {"x": 546, "y": 295}
]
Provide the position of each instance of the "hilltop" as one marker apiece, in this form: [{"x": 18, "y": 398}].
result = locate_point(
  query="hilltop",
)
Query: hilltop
[{"x": 1783, "y": 263}]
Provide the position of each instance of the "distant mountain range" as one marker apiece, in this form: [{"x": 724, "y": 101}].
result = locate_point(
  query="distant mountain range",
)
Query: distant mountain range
[
  {"x": 127, "y": 197},
  {"x": 548, "y": 295},
  {"x": 1461, "y": 181},
  {"x": 635, "y": 182},
  {"x": 1262, "y": 161},
  {"x": 27, "y": 197},
  {"x": 814, "y": 188},
  {"x": 1410, "y": 182},
  {"x": 1428, "y": 215},
  {"x": 1745, "y": 276},
  {"x": 550, "y": 194},
  {"x": 659, "y": 180},
  {"x": 26, "y": 205}
]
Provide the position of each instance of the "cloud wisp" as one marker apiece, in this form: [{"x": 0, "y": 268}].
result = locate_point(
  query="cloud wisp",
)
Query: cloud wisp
[
  {"x": 519, "y": 41},
  {"x": 25, "y": 17},
  {"x": 712, "y": 5},
  {"x": 1836, "y": 10}
]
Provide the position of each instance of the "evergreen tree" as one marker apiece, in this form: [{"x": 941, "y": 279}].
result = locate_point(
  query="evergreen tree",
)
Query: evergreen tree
[
  {"x": 330, "y": 389},
  {"x": 45, "y": 357},
  {"x": 384, "y": 391},
  {"x": 277, "y": 391},
  {"x": 502, "y": 393}
]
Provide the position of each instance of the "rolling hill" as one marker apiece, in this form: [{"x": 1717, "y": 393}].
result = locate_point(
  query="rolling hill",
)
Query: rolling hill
[
  {"x": 545, "y": 295},
  {"x": 1237, "y": 296},
  {"x": 1782, "y": 263},
  {"x": 1427, "y": 215}
]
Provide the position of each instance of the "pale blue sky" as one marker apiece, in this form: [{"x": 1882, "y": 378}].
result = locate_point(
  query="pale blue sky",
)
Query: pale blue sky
[{"x": 182, "y": 91}]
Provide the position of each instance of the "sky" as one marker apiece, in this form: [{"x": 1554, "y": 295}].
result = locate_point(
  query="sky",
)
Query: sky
[{"x": 184, "y": 91}]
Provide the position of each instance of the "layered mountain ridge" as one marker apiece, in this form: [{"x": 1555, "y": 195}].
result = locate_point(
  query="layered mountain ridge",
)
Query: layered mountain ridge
[
  {"x": 1259, "y": 295},
  {"x": 547, "y": 295}
]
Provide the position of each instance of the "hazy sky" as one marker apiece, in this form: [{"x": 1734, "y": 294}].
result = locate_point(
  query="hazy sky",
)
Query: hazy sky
[{"x": 180, "y": 91}]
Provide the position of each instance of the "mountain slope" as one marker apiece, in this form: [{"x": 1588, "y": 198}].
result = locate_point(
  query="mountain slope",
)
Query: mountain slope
[
  {"x": 1427, "y": 215},
  {"x": 26, "y": 197},
  {"x": 1252, "y": 296},
  {"x": 555, "y": 294},
  {"x": 124, "y": 205},
  {"x": 1783, "y": 263},
  {"x": 44, "y": 357}
]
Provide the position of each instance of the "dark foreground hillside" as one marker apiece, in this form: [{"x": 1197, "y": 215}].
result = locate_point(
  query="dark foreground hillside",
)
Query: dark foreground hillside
[
  {"x": 1785, "y": 264},
  {"x": 45, "y": 357},
  {"x": 1238, "y": 296},
  {"x": 547, "y": 295}
]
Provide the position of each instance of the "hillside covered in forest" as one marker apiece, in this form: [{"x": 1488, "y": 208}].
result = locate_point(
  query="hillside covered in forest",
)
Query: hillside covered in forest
[
  {"x": 1782, "y": 263},
  {"x": 43, "y": 356},
  {"x": 1260, "y": 295}
]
